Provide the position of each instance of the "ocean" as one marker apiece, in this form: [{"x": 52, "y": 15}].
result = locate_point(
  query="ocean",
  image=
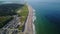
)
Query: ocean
[{"x": 47, "y": 17}]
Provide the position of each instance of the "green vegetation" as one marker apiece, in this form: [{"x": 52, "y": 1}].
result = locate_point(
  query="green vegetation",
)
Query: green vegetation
[
  {"x": 20, "y": 27},
  {"x": 9, "y": 9},
  {"x": 6, "y": 12},
  {"x": 4, "y": 20},
  {"x": 23, "y": 13}
]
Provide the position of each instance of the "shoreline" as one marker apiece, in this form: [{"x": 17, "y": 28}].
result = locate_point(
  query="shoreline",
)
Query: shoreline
[
  {"x": 29, "y": 25},
  {"x": 34, "y": 18}
]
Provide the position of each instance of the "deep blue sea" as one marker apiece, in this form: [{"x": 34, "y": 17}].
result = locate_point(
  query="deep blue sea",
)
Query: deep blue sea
[{"x": 47, "y": 17}]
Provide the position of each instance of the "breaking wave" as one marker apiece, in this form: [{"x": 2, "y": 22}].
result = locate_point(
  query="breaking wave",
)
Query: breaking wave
[{"x": 34, "y": 18}]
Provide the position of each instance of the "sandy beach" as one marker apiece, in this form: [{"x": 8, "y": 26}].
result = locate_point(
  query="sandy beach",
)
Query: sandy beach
[{"x": 29, "y": 22}]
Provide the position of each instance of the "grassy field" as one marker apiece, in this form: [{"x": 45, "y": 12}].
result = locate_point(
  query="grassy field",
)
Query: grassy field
[
  {"x": 4, "y": 20},
  {"x": 23, "y": 13}
]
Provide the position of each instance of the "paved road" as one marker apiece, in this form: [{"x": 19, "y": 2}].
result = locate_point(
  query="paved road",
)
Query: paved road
[{"x": 29, "y": 22}]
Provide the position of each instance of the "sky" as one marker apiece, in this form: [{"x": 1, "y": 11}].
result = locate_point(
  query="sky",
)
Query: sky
[{"x": 34, "y": 0}]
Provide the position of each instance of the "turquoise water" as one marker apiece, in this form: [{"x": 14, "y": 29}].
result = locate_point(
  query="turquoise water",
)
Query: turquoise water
[{"x": 47, "y": 17}]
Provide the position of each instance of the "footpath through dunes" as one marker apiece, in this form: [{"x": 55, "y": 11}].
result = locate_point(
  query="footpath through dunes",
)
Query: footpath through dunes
[{"x": 29, "y": 22}]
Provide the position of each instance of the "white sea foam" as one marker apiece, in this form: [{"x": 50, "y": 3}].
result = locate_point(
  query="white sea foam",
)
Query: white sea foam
[
  {"x": 34, "y": 18},
  {"x": 34, "y": 29},
  {"x": 33, "y": 10}
]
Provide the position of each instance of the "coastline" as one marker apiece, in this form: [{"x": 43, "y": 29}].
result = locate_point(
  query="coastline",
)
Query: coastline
[
  {"x": 34, "y": 18},
  {"x": 29, "y": 25}
]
